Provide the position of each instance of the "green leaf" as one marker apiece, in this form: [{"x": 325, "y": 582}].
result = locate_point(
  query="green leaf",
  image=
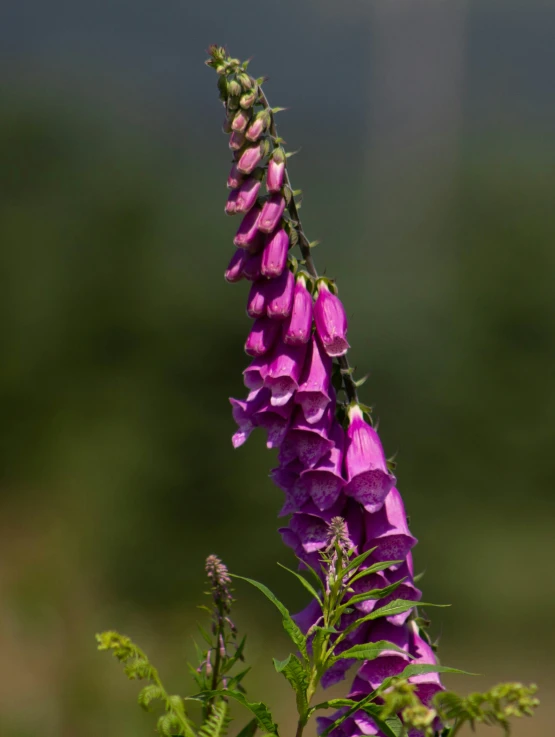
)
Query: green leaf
[
  {"x": 236, "y": 655},
  {"x": 355, "y": 707},
  {"x": 218, "y": 722},
  {"x": 369, "y": 651},
  {"x": 356, "y": 562},
  {"x": 397, "y": 606},
  {"x": 288, "y": 624},
  {"x": 148, "y": 694},
  {"x": 308, "y": 586},
  {"x": 417, "y": 669},
  {"x": 391, "y": 726},
  {"x": 296, "y": 674},
  {"x": 374, "y": 569},
  {"x": 258, "y": 708},
  {"x": 373, "y": 594}
]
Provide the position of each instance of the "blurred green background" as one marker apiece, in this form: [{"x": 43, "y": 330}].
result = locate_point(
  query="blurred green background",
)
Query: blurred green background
[{"x": 428, "y": 167}]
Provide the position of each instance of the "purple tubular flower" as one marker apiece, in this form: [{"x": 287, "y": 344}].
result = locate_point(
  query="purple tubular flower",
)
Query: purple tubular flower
[
  {"x": 262, "y": 337},
  {"x": 387, "y": 530},
  {"x": 428, "y": 684},
  {"x": 280, "y": 295},
  {"x": 247, "y": 194},
  {"x": 284, "y": 372},
  {"x": 331, "y": 321},
  {"x": 256, "y": 302},
  {"x": 368, "y": 480},
  {"x": 236, "y": 140},
  {"x": 287, "y": 478},
  {"x": 249, "y": 160},
  {"x": 275, "y": 420},
  {"x": 307, "y": 442},
  {"x": 251, "y": 265},
  {"x": 276, "y": 172},
  {"x": 235, "y": 178},
  {"x": 271, "y": 213},
  {"x": 234, "y": 271},
  {"x": 231, "y": 204},
  {"x": 323, "y": 482},
  {"x": 248, "y": 236},
  {"x": 299, "y": 327},
  {"x": 274, "y": 256},
  {"x": 315, "y": 387},
  {"x": 240, "y": 121}
]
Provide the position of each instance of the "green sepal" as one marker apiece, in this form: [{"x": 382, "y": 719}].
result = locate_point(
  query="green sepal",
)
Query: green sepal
[{"x": 288, "y": 624}]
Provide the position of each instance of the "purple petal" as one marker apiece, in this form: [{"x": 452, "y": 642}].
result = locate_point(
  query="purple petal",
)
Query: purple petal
[
  {"x": 274, "y": 256},
  {"x": 284, "y": 372},
  {"x": 324, "y": 481},
  {"x": 271, "y": 213},
  {"x": 247, "y": 234},
  {"x": 280, "y": 295},
  {"x": 262, "y": 337},
  {"x": 299, "y": 327},
  {"x": 275, "y": 175},
  {"x": 250, "y": 158},
  {"x": 248, "y": 192},
  {"x": 315, "y": 385},
  {"x": 331, "y": 321}
]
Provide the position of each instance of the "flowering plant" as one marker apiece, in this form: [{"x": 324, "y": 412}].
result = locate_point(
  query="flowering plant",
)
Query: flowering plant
[{"x": 346, "y": 518}]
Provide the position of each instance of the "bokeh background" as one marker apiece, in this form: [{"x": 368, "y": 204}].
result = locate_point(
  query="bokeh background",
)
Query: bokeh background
[{"x": 428, "y": 166}]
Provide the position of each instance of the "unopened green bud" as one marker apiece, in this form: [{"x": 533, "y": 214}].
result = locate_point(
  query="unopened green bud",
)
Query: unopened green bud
[
  {"x": 234, "y": 88},
  {"x": 245, "y": 81},
  {"x": 248, "y": 99}
]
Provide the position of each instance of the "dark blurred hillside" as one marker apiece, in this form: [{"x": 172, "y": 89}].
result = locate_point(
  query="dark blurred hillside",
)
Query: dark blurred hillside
[{"x": 428, "y": 167}]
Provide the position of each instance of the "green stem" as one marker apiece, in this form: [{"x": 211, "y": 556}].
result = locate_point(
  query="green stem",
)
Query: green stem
[{"x": 348, "y": 381}]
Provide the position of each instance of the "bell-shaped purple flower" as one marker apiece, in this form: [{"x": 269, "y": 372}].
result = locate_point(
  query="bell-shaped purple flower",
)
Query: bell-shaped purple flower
[
  {"x": 324, "y": 481},
  {"x": 262, "y": 337},
  {"x": 428, "y": 684},
  {"x": 247, "y": 194},
  {"x": 236, "y": 140},
  {"x": 315, "y": 390},
  {"x": 248, "y": 235},
  {"x": 299, "y": 327},
  {"x": 243, "y": 411},
  {"x": 255, "y": 373},
  {"x": 276, "y": 172},
  {"x": 271, "y": 213},
  {"x": 307, "y": 442},
  {"x": 240, "y": 121},
  {"x": 235, "y": 178},
  {"x": 231, "y": 204},
  {"x": 284, "y": 372},
  {"x": 287, "y": 478},
  {"x": 368, "y": 479},
  {"x": 275, "y": 420},
  {"x": 280, "y": 295},
  {"x": 387, "y": 530},
  {"x": 274, "y": 256},
  {"x": 250, "y": 158},
  {"x": 331, "y": 321},
  {"x": 257, "y": 299},
  {"x": 251, "y": 264},
  {"x": 256, "y": 128}
]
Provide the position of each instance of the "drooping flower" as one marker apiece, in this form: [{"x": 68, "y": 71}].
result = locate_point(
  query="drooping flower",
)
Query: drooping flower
[
  {"x": 271, "y": 213},
  {"x": 315, "y": 390},
  {"x": 276, "y": 172},
  {"x": 247, "y": 194},
  {"x": 248, "y": 235},
  {"x": 368, "y": 479},
  {"x": 280, "y": 295},
  {"x": 249, "y": 160},
  {"x": 274, "y": 256},
  {"x": 299, "y": 327},
  {"x": 331, "y": 321},
  {"x": 284, "y": 372},
  {"x": 262, "y": 336},
  {"x": 324, "y": 481}
]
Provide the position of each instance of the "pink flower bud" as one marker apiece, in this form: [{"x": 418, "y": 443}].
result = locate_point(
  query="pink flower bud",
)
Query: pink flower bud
[
  {"x": 250, "y": 158},
  {"x": 235, "y": 178},
  {"x": 257, "y": 127},
  {"x": 271, "y": 213},
  {"x": 262, "y": 336},
  {"x": 231, "y": 204},
  {"x": 234, "y": 271},
  {"x": 299, "y": 328},
  {"x": 251, "y": 265},
  {"x": 240, "y": 121},
  {"x": 274, "y": 256},
  {"x": 236, "y": 140},
  {"x": 256, "y": 303},
  {"x": 275, "y": 175},
  {"x": 331, "y": 321},
  {"x": 247, "y": 194},
  {"x": 247, "y": 233},
  {"x": 280, "y": 295}
]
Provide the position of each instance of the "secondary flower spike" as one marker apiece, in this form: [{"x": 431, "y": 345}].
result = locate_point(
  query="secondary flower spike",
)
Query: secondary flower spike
[{"x": 332, "y": 468}]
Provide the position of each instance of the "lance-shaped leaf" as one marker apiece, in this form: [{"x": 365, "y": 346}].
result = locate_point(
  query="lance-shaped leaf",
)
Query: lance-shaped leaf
[
  {"x": 369, "y": 651},
  {"x": 249, "y": 730},
  {"x": 391, "y": 726},
  {"x": 288, "y": 624},
  {"x": 308, "y": 586},
  {"x": 372, "y": 594}
]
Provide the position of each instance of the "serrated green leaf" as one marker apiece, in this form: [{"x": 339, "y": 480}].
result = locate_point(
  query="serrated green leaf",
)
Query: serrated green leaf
[
  {"x": 295, "y": 673},
  {"x": 258, "y": 708},
  {"x": 369, "y": 651},
  {"x": 308, "y": 586},
  {"x": 288, "y": 624}
]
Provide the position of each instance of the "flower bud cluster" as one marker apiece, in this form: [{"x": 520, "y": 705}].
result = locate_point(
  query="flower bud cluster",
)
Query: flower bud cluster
[{"x": 330, "y": 459}]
